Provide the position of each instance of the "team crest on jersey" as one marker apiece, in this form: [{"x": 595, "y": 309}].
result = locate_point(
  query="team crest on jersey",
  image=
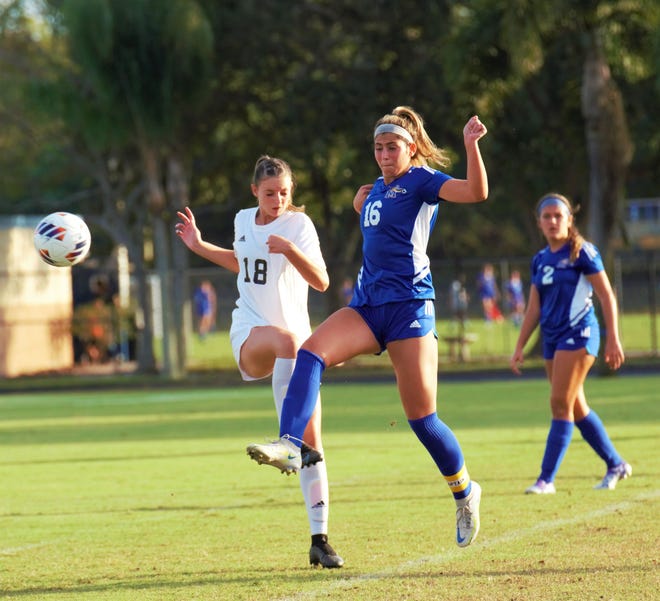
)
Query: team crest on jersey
[{"x": 392, "y": 192}]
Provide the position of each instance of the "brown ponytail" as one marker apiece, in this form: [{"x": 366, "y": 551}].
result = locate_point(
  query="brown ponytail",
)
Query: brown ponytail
[{"x": 427, "y": 152}]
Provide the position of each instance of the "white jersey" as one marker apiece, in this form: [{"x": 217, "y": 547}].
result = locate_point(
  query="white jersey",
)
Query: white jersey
[{"x": 271, "y": 290}]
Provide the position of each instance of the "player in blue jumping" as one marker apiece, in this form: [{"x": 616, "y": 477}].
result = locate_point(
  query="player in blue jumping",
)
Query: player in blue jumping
[
  {"x": 564, "y": 275},
  {"x": 392, "y": 306}
]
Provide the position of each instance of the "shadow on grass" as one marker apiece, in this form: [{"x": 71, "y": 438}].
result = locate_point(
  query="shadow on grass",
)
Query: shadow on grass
[
  {"x": 274, "y": 579},
  {"x": 247, "y": 411}
]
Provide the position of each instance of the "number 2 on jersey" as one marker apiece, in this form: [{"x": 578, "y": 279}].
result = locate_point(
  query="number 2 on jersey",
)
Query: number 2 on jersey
[{"x": 548, "y": 272}]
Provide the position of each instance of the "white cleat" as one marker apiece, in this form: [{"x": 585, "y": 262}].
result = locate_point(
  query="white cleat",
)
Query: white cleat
[
  {"x": 467, "y": 516},
  {"x": 613, "y": 475},
  {"x": 282, "y": 454},
  {"x": 541, "y": 487}
]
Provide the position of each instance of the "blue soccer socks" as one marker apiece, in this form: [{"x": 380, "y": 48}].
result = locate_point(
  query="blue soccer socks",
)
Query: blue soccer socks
[
  {"x": 556, "y": 446},
  {"x": 443, "y": 446},
  {"x": 593, "y": 431},
  {"x": 302, "y": 395}
]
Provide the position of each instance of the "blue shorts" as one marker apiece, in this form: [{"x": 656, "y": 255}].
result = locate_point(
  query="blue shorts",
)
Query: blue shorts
[
  {"x": 585, "y": 337},
  {"x": 399, "y": 321}
]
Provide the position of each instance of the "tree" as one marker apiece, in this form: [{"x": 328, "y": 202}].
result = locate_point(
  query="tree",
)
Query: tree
[
  {"x": 545, "y": 75},
  {"x": 125, "y": 80},
  {"x": 131, "y": 105},
  {"x": 608, "y": 143},
  {"x": 315, "y": 78}
]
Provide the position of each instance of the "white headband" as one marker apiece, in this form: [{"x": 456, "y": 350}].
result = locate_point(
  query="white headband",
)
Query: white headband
[
  {"x": 552, "y": 201},
  {"x": 390, "y": 128}
]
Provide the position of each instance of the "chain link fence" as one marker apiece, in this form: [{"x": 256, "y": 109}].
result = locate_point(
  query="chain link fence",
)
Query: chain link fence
[{"x": 102, "y": 332}]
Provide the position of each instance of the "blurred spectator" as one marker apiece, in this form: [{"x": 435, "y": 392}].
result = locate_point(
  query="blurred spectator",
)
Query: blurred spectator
[
  {"x": 515, "y": 297},
  {"x": 458, "y": 301},
  {"x": 489, "y": 294},
  {"x": 93, "y": 327},
  {"x": 205, "y": 302}
]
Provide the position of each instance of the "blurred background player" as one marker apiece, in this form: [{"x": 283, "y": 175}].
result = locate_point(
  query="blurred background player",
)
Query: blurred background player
[
  {"x": 515, "y": 298},
  {"x": 458, "y": 302},
  {"x": 204, "y": 300},
  {"x": 564, "y": 275},
  {"x": 489, "y": 294}
]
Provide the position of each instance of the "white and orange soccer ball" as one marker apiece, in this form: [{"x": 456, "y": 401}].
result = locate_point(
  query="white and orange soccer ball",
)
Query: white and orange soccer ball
[{"x": 62, "y": 239}]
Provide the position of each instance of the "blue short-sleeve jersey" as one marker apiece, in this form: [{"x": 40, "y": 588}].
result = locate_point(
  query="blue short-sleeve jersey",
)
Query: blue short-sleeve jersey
[
  {"x": 565, "y": 293},
  {"x": 396, "y": 221}
]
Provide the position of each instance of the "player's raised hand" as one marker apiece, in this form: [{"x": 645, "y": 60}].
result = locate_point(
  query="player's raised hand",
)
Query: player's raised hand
[
  {"x": 187, "y": 229},
  {"x": 474, "y": 130}
]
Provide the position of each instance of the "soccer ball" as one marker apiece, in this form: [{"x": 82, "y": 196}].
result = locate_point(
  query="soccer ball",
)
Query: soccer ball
[{"x": 62, "y": 239}]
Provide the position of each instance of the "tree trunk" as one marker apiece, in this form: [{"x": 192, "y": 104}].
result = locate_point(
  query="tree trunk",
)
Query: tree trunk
[
  {"x": 177, "y": 193},
  {"x": 610, "y": 151},
  {"x": 162, "y": 248},
  {"x": 608, "y": 145},
  {"x": 146, "y": 361}
]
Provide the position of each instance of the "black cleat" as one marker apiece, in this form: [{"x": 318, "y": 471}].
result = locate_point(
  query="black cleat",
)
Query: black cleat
[
  {"x": 309, "y": 455},
  {"x": 322, "y": 553}
]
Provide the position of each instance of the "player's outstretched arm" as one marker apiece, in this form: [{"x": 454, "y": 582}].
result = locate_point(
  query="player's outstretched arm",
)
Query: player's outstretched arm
[{"x": 186, "y": 229}]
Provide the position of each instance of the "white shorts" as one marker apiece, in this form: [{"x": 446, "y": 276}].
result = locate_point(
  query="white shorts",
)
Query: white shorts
[
  {"x": 241, "y": 326},
  {"x": 238, "y": 334}
]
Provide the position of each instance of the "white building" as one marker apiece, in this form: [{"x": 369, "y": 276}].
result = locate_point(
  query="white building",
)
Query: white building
[{"x": 36, "y": 304}]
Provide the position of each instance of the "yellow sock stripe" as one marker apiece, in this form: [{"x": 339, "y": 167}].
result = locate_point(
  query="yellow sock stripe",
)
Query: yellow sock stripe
[{"x": 459, "y": 481}]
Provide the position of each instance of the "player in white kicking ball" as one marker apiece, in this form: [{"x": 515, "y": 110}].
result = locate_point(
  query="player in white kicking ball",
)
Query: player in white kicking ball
[{"x": 277, "y": 256}]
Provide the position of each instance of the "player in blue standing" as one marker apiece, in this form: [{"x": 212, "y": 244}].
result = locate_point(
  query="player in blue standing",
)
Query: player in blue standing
[
  {"x": 564, "y": 275},
  {"x": 392, "y": 306},
  {"x": 489, "y": 294}
]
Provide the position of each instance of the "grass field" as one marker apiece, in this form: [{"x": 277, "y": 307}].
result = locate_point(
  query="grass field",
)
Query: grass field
[
  {"x": 148, "y": 495},
  {"x": 492, "y": 343}
]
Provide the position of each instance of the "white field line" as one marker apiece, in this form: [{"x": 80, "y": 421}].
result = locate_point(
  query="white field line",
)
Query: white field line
[
  {"x": 17, "y": 550},
  {"x": 509, "y": 537}
]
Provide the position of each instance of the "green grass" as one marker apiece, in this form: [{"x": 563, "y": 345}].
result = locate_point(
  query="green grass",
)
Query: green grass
[
  {"x": 148, "y": 495},
  {"x": 493, "y": 345}
]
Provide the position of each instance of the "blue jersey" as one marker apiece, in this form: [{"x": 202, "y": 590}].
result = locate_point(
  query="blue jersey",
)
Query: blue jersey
[
  {"x": 565, "y": 293},
  {"x": 202, "y": 300},
  {"x": 396, "y": 222},
  {"x": 487, "y": 286},
  {"x": 516, "y": 291}
]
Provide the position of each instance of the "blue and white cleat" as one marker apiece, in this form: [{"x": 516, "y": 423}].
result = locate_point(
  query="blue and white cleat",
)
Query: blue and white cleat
[
  {"x": 467, "y": 516},
  {"x": 613, "y": 475},
  {"x": 282, "y": 454}
]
